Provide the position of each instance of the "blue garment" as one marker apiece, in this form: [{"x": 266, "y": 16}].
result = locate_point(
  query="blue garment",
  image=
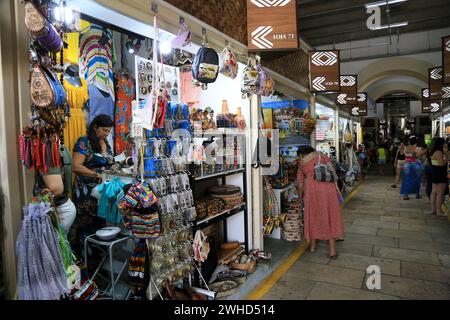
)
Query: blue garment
[
  {"x": 110, "y": 192},
  {"x": 412, "y": 175},
  {"x": 99, "y": 103}
]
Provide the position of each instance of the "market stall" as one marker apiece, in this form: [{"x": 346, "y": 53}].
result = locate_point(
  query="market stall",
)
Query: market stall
[{"x": 178, "y": 168}]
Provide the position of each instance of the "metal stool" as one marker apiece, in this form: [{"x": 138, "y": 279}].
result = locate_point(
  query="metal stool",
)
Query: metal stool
[{"x": 109, "y": 246}]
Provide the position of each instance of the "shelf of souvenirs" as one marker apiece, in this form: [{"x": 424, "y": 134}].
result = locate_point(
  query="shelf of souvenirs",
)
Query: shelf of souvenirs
[
  {"x": 223, "y": 131},
  {"x": 218, "y": 174},
  {"x": 221, "y": 215}
]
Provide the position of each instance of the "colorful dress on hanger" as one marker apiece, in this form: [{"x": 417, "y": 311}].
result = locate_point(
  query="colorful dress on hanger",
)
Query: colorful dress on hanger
[
  {"x": 125, "y": 93},
  {"x": 190, "y": 95},
  {"x": 96, "y": 61},
  {"x": 76, "y": 126},
  {"x": 323, "y": 216},
  {"x": 87, "y": 221}
]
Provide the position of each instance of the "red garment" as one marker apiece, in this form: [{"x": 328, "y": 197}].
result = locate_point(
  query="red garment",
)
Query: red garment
[
  {"x": 323, "y": 216},
  {"x": 125, "y": 93}
]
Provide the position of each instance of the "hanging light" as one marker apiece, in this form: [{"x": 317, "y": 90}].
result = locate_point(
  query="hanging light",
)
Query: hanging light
[
  {"x": 64, "y": 14},
  {"x": 130, "y": 46},
  {"x": 165, "y": 47}
]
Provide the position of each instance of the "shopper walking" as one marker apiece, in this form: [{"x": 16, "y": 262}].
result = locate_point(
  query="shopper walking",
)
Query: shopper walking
[
  {"x": 323, "y": 217},
  {"x": 90, "y": 154},
  {"x": 412, "y": 171},
  {"x": 399, "y": 161},
  {"x": 438, "y": 175},
  {"x": 381, "y": 158},
  {"x": 427, "y": 173}
]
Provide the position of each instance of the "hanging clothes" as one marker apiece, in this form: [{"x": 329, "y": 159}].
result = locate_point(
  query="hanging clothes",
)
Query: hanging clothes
[
  {"x": 96, "y": 61},
  {"x": 100, "y": 102},
  {"x": 125, "y": 93},
  {"x": 76, "y": 126},
  {"x": 190, "y": 94},
  {"x": 110, "y": 191},
  {"x": 40, "y": 264}
]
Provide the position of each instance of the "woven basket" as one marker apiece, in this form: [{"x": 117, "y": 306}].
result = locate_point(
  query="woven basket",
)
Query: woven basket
[{"x": 249, "y": 266}]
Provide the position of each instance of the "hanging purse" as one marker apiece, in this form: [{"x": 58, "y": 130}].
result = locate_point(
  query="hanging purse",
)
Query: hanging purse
[
  {"x": 228, "y": 65},
  {"x": 324, "y": 172},
  {"x": 46, "y": 89},
  {"x": 41, "y": 28}
]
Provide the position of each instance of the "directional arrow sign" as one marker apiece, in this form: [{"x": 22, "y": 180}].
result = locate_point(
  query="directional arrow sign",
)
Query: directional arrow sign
[
  {"x": 355, "y": 111},
  {"x": 272, "y": 25},
  {"x": 446, "y": 60},
  {"x": 349, "y": 87},
  {"x": 324, "y": 68}
]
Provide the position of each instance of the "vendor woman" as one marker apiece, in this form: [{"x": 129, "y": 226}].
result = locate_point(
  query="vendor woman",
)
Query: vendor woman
[{"x": 91, "y": 153}]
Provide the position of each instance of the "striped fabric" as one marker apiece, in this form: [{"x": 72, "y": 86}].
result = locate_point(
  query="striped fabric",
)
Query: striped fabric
[{"x": 96, "y": 61}]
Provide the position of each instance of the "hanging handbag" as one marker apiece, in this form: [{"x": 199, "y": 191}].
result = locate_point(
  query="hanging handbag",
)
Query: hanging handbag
[
  {"x": 46, "y": 89},
  {"x": 41, "y": 28},
  {"x": 228, "y": 65},
  {"x": 324, "y": 172},
  {"x": 201, "y": 247},
  {"x": 266, "y": 83}
]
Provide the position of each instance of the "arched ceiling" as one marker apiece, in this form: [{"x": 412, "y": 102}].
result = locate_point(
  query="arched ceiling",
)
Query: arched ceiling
[
  {"x": 390, "y": 88},
  {"x": 392, "y": 67}
]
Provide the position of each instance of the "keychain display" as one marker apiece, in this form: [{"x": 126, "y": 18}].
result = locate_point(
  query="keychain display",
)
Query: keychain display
[{"x": 172, "y": 252}]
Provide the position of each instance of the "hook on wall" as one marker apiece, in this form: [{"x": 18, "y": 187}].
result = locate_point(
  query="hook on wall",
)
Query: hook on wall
[{"x": 154, "y": 8}]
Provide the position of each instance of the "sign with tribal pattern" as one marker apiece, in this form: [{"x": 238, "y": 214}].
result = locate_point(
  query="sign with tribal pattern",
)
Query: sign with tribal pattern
[
  {"x": 272, "y": 25},
  {"x": 446, "y": 60},
  {"x": 349, "y": 90},
  {"x": 438, "y": 91},
  {"x": 324, "y": 69},
  {"x": 430, "y": 106}
]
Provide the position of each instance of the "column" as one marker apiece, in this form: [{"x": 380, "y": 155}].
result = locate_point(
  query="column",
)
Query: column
[{"x": 312, "y": 112}]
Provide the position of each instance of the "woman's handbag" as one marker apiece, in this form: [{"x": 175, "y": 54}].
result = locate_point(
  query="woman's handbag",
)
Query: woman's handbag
[
  {"x": 41, "y": 28},
  {"x": 324, "y": 172}
]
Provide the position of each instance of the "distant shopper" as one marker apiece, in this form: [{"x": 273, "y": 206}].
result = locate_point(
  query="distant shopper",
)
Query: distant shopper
[
  {"x": 381, "y": 158},
  {"x": 323, "y": 217},
  {"x": 438, "y": 175},
  {"x": 427, "y": 173},
  {"x": 412, "y": 170},
  {"x": 399, "y": 161}
]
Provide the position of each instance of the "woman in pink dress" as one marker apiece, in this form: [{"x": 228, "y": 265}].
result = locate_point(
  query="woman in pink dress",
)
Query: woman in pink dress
[{"x": 323, "y": 216}]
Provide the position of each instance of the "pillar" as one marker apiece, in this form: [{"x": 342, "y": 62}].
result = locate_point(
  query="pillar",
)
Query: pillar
[{"x": 312, "y": 111}]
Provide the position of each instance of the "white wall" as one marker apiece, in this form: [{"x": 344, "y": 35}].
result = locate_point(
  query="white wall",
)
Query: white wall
[{"x": 376, "y": 112}]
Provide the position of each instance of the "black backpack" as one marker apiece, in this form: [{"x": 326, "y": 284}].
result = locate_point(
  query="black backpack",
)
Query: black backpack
[{"x": 205, "y": 68}]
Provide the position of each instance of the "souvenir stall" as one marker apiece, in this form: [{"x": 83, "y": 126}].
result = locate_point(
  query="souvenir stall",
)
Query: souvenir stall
[
  {"x": 283, "y": 218},
  {"x": 348, "y": 167},
  {"x": 326, "y": 140},
  {"x": 176, "y": 209}
]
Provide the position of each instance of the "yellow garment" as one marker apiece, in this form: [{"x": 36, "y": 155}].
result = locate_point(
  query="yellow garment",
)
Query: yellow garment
[{"x": 76, "y": 126}]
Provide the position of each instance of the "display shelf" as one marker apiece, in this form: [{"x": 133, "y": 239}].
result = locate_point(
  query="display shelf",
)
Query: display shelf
[
  {"x": 219, "y": 174},
  {"x": 220, "y": 216}
]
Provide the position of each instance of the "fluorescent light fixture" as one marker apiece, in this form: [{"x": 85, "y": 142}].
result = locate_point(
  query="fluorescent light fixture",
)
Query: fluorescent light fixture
[
  {"x": 383, "y": 3},
  {"x": 393, "y": 25}
]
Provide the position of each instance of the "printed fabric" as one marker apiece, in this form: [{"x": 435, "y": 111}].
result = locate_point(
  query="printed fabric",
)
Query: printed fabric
[{"x": 125, "y": 93}]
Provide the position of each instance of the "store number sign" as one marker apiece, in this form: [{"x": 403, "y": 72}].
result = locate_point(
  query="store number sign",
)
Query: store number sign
[
  {"x": 272, "y": 25},
  {"x": 438, "y": 90},
  {"x": 349, "y": 90},
  {"x": 360, "y": 110},
  {"x": 446, "y": 59},
  {"x": 324, "y": 68},
  {"x": 430, "y": 106}
]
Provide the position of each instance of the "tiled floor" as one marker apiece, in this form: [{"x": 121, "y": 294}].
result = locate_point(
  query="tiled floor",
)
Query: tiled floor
[{"x": 411, "y": 247}]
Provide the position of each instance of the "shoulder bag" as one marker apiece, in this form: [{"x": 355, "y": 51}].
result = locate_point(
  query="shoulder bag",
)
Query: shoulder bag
[{"x": 324, "y": 172}]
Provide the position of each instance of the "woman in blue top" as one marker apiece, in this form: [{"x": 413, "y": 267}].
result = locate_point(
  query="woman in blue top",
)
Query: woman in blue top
[{"x": 91, "y": 153}]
